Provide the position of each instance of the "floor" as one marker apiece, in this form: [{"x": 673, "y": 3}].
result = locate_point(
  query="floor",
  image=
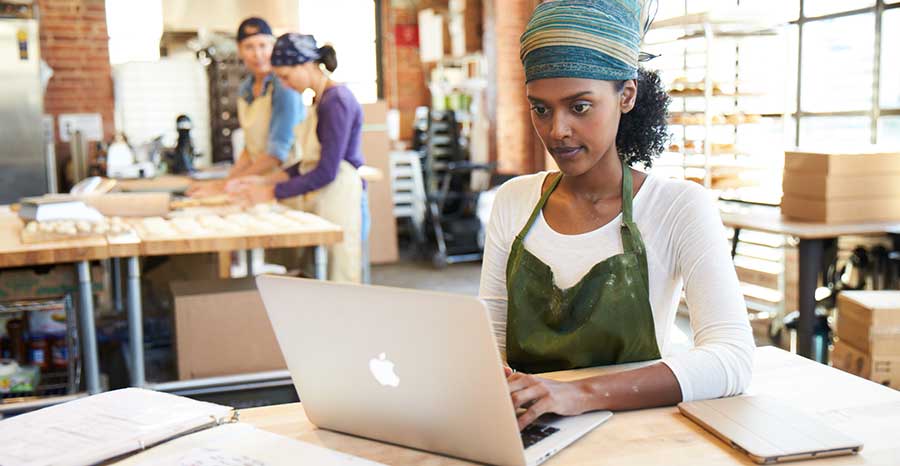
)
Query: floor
[{"x": 422, "y": 275}]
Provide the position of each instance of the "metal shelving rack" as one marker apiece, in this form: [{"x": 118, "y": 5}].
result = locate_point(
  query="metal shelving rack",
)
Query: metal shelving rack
[
  {"x": 225, "y": 73},
  {"x": 710, "y": 27},
  {"x": 55, "y": 386},
  {"x": 760, "y": 258}
]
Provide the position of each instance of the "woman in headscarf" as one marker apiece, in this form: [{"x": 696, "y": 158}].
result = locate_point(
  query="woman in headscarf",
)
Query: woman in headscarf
[
  {"x": 324, "y": 180},
  {"x": 586, "y": 266}
]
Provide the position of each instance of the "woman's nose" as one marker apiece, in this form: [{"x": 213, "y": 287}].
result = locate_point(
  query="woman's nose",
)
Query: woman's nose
[{"x": 560, "y": 128}]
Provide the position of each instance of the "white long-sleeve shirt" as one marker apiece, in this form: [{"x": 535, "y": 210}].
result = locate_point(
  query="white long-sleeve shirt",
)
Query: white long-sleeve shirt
[{"x": 686, "y": 248}]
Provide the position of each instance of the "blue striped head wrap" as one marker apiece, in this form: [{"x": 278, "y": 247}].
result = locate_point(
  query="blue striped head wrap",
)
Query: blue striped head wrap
[
  {"x": 294, "y": 49},
  {"x": 593, "y": 39}
]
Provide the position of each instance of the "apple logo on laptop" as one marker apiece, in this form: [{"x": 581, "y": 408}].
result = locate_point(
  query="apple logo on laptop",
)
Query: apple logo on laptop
[{"x": 383, "y": 370}]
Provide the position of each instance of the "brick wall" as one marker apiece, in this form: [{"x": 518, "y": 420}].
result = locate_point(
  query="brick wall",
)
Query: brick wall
[
  {"x": 74, "y": 42},
  {"x": 474, "y": 25},
  {"x": 404, "y": 72},
  {"x": 517, "y": 147},
  {"x": 513, "y": 145}
]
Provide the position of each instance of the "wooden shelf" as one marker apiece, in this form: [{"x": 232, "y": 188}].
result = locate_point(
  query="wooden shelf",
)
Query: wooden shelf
[
  {"x": 723, "y": 22},
  {"x": 697, "y": 120},
  {"x": 699, "y": 93}
]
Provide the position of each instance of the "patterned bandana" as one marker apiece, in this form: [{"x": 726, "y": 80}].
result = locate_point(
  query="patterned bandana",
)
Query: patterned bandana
[
  {"x": 593, "y": 39},
  {"x": 294, "y": 49}
]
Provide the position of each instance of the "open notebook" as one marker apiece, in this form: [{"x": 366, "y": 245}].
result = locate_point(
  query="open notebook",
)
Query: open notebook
[
  {"x": 105, "y": 426},
  {"x": 239, "y": 444}
]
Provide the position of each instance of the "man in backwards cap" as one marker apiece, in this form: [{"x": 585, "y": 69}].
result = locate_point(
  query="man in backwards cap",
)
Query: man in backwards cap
[{"x": 267, "y": 110}]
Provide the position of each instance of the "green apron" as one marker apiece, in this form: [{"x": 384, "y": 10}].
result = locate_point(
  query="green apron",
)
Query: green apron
[{"x": 604, "y": 319}]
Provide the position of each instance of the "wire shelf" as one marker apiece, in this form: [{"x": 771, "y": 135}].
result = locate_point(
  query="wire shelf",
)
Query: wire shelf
[{"x": 53, "y": 381}]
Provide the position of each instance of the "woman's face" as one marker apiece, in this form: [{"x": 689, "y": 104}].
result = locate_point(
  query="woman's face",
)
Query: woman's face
[
  {"x": 256, "y": 53},
  {"x": 297, "y": 77},
  {"x": 577, "y": 119}
]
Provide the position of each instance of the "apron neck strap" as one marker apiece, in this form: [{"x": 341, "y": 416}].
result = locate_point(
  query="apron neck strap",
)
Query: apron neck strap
[
  {"x": 631, "y": 241},
  {"x": 539, "y": 206},
  {"x": 627, "y": 193},
  {"x": 631, "y": 236}
]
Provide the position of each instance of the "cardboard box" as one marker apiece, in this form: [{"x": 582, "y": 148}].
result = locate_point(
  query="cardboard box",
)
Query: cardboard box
[
  {"x": 871, "y": 160},
  {"x": 876, "y": 308},
  {"x": 879, "y": 369},
  {"x": 221, "y": 328},
  {"x": 376, "y": 149},
  {"x": 832, "y": 187},
  {"x": 880, "y": 342},
  {"x": 840, "y": 211},
  {"x": 870, "y": 321},
  {"x": 50, "y": 282}
]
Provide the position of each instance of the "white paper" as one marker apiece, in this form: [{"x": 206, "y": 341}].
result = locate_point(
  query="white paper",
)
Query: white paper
[
  {"x": 100, "y": 427},
  {"x": 206, "y": 457},
  {"x": 241, "y": 444},
  {"x": 75, "y": 210}
]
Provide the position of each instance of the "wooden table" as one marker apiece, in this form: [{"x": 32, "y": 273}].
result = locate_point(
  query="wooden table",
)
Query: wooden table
[
  {"x": 317, "y": 237},
  {"x": 812, "y": 240},
  {"x": 13, "y": 253},
  {"x": 180, "y": 183},
  {"x": 78, "y": 251},
  {"x": 858, "y": 407}
]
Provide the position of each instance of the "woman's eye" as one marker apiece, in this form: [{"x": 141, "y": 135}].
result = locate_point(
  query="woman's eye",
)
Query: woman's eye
[
  {"x": 581, "y": 108},
  {"x": 539, "y": 110}
]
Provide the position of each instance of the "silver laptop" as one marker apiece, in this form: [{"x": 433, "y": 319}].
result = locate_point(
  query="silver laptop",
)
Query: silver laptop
[
  {"x": 412, "y": 368},
  {"x": 767, "y": 430}
]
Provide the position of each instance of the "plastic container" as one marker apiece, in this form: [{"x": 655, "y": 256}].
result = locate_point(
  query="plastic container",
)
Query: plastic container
[
  {"x": 39, "y": 352},
  {"x": 8, "y": 368},
  {"x": 15, "y": 329},
  {"x": 18, "y": 379},
  {"x": 59, "y": 352}
]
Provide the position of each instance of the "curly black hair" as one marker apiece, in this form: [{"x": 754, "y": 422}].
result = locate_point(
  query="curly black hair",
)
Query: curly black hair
[{"x": 643, "y": 132}]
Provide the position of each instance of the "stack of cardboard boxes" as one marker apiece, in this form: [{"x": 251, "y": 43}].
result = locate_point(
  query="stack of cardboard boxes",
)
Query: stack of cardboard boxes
[
  {"x": 841, "y": 187},
  {"x": 868, "y": 336},
  {"x": 375, "y": 145}
]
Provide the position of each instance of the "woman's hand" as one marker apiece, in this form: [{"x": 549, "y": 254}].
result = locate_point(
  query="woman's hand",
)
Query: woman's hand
[
  {"x": 540, "y": 396},
  {"x": 238, "y": 185},
  {"x": 205, "y": 189},
  {"x": 250, "y": 190}
]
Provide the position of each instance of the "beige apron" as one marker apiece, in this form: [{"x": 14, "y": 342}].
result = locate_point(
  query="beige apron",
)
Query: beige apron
[
  {"x": 255, "y": 119},
  {"x": 339, "y": 202}
]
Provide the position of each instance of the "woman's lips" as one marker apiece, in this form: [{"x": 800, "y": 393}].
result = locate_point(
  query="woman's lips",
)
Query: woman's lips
[{"x": 565, "y": 152}]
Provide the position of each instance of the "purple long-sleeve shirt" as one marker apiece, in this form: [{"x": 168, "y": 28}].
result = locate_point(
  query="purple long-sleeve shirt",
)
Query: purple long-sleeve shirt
[{"x": 339, "y": 131}]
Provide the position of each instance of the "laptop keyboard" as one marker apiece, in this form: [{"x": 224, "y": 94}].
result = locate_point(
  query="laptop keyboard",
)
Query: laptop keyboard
[{"x": 534, "y": 433}]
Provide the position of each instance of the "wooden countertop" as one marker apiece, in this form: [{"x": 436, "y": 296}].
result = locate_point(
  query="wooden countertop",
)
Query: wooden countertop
[
  {"x": 13, "y": 253},
  {"x": 861, "y": 409},
  {"x": 769, "y": 220},
  {"x": 180, "y": 183},
  {"x": 266, "y": 229},
  {"x": 325, "y": 235}
]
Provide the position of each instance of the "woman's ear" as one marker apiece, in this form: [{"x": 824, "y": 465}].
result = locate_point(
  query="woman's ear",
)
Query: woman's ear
[{"x": 629, "y": 95}]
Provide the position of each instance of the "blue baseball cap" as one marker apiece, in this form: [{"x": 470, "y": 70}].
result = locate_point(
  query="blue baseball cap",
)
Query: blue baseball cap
[{"x": 251, "y": 27}]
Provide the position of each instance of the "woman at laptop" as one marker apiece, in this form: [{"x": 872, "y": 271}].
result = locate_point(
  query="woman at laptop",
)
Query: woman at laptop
[{"x": 585, "y": 266}]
